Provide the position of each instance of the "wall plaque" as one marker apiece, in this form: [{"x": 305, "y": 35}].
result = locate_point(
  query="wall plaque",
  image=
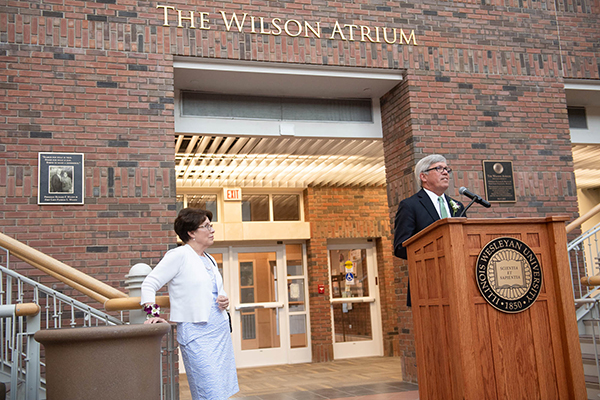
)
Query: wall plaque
[
  {"x": 499, "y": 181},
  {"x": 509, "y": 275},
  {"x": 60, "y": 178}
]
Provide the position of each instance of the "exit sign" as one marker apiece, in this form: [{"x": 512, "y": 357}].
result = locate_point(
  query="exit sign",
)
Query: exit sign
[{"x": 232, "y": 194}]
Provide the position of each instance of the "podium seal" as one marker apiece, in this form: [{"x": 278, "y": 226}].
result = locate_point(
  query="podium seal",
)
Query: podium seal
[{"x": 509, "y": 275}]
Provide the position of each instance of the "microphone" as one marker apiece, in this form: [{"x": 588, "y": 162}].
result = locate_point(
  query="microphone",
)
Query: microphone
[{"x": 476, "y": 198}]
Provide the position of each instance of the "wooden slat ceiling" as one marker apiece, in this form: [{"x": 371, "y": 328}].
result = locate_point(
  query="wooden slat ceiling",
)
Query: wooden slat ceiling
[
  {"x": 586, "y": 159},
  {"x": 285, "y": 162},
  {"x": 215, "y": 161}
]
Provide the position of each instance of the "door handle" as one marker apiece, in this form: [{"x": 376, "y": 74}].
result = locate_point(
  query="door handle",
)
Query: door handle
[
  {"x": 353, "y": 300},
  {"x": 252, "y": 306}
]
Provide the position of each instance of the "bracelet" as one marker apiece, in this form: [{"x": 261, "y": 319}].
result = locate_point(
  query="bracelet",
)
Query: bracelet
[{"x": 152, "y": 310}]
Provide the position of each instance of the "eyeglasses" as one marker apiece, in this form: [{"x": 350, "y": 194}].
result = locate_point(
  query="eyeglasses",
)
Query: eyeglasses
[
  {"x": 208, "y": 227},
  {"x": 440, "y": 169}
]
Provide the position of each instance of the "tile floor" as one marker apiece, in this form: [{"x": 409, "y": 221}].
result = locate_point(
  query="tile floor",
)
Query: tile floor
[{"x": 372, "y": 378}]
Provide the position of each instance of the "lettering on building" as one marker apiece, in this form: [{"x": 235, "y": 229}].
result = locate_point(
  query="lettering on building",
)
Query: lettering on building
[{"x": 246, "y": 23}]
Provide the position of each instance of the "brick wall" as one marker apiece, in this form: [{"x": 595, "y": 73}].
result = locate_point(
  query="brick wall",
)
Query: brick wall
[
  {"x": 348, "y": 213},
  {"x": 66, "y": 88},
  {"x": 485, "y": 81}
]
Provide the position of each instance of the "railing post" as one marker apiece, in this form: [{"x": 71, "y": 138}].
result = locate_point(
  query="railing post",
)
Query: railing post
[
  {"x": 32, "y": 377},
  {"x": 134, "y": 280}
]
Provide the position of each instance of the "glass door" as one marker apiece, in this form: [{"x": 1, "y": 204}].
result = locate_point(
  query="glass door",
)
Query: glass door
[
  {"x": 260, "y": 320},
  {"x": 356, "y": 316}
]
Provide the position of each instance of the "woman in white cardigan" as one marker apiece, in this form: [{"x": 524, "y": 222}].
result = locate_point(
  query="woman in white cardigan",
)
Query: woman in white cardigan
[{"x": 198, "y": 304}]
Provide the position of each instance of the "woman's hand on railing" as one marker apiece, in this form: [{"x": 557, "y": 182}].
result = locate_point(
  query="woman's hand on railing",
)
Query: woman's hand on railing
[{"x": 156, "y": 320}]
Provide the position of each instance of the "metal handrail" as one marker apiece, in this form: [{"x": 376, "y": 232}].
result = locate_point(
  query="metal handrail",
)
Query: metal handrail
[
  {"x": 43, "y": 308},
  {"x": 581, "y": 259},
  {"x": 585, "y": 235},
  {"x": 20, "y": 357},
  {"x": 61, "y": 297}
]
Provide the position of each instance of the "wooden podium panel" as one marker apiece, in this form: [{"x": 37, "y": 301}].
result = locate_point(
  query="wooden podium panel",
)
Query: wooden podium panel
[{"x": 466, "y": 349}]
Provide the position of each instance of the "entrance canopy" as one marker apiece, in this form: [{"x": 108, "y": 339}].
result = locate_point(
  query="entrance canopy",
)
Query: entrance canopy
[{"x": 266, "y": 151}]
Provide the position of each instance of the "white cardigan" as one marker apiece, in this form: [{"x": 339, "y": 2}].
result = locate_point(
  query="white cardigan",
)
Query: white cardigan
[{"x": 190, "y": 285}]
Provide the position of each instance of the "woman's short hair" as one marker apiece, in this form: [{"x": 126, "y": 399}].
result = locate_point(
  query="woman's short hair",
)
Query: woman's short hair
[
  {"x": 425, "y": 163},
  {"x": 188, "y": 220}
]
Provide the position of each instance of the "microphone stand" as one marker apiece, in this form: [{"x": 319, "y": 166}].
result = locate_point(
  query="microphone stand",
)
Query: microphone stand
[{"x": 467, "y": 207}]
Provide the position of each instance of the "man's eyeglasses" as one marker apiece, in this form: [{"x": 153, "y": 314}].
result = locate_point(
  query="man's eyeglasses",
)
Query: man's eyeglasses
[
  {"x": 440, "y": 169},
  {"x": 208, "y": 227}
]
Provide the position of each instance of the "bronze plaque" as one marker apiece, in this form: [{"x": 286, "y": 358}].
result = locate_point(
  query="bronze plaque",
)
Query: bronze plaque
[
  {"x": 499, "y": 181},
  {"x": 509, "y": 275}
]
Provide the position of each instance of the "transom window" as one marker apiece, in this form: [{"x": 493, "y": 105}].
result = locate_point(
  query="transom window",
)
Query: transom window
[
  {"x": 213, "y": 105},
  {"x": 206, "y": 202},
  {"x": 257, "y": 207}
]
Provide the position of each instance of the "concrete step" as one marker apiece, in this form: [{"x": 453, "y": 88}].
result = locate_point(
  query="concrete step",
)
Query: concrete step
[
  {"x": 593, "y": 389},
  {"x": 587, "y": 344},
  {"x": 590, "y": 327},
  {"x": 589, "y": 365}
]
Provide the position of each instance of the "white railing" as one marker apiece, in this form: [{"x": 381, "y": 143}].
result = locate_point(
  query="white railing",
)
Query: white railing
[
  {"x": 584, "y": 256},
  {"x": 21, "y": 365},
  {"x": 588, "y": 316},
  {"x": 584, "y": 259},
  {"x": 19, "y": 352}
]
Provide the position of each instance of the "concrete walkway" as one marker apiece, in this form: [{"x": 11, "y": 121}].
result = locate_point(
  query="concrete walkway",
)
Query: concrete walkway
[{"x": 372, "y": 378}]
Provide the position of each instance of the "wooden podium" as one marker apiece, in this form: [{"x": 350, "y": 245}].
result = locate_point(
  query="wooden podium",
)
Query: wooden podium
[{"x": 466, "y": 348}]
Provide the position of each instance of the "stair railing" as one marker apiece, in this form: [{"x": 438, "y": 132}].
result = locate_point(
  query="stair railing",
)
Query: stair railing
[
  {"x": 76, "y": 279},
  {"x": 20, "y": 354},
  {"x": 584, "y": 256},
  {"x": 15, "y": 343}
]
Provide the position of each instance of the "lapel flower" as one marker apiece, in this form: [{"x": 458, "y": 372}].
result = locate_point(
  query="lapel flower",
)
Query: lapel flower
[{"x": 455, "y": 206}]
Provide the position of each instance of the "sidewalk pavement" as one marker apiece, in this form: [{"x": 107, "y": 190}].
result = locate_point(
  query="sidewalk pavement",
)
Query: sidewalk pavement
[{"x": 370, "y": 378}]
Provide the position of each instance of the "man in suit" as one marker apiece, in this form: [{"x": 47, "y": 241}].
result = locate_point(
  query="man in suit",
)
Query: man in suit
[{"x": 426, "y": 206}]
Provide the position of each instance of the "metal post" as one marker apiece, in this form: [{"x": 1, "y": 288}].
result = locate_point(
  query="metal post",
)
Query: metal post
[{"x": 32, "y": 377}]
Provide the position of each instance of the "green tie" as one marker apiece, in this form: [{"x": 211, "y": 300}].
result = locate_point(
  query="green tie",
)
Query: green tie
[{"x": 443, "y": 211}]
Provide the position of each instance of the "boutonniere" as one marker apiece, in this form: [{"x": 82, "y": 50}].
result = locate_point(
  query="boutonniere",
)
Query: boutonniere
[{"x": 455, "y": 206}]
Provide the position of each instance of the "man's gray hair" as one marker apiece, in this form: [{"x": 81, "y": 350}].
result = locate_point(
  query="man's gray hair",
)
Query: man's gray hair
[{"x": 425, "y": 163}]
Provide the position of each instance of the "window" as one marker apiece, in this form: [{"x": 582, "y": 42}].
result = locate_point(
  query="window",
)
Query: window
[
  {"x": 179, "y": 203},
  {"x": 275, "y": 108},
  {"x": 255, "y": 207},
  {"x": 296, "y": 295},
  {"x": 206, "y": 202},
  {"x": 577, "y": 117},
  {"x": 286, "y": 207}
]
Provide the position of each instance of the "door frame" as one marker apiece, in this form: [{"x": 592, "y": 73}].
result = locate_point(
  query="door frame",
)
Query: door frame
[
  {"x": 262, "y": 357},
  {"x": 259, "y": 357},
  {"x": 360, "y": 348}
]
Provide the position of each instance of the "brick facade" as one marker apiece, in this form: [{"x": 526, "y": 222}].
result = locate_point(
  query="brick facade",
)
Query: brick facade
[{"x": 484, "y": 82}]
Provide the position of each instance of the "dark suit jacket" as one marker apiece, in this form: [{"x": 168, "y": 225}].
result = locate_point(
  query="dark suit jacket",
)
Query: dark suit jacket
[{"x": 415, "y": 214}]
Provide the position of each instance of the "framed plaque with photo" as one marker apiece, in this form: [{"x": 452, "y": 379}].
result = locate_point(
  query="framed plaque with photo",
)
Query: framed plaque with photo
[{"x": 60, "y": 178}]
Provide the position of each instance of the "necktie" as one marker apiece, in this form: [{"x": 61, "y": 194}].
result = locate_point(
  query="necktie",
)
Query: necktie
[{"x": 443, "y": 211}]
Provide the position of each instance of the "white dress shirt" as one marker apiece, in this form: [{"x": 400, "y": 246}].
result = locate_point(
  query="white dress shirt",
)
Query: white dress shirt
[{"x": 436, "y": 203}]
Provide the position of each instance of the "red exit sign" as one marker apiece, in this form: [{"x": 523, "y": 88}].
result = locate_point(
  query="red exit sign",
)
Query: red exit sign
[{"x": 232, "y": 194}]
